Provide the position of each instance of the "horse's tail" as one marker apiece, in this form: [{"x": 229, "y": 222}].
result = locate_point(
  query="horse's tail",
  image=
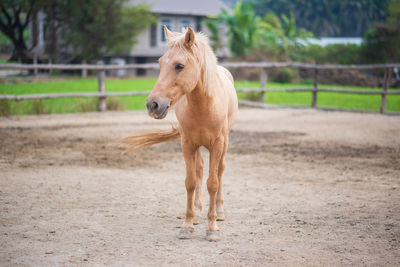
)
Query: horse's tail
[{"x": 140, "y": 141}]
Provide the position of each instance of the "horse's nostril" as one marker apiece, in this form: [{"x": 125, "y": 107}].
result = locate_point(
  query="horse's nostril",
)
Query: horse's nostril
[{"x": 153, "y": 105}]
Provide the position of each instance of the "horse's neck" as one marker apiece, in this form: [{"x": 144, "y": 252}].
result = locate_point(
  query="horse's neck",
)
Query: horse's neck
[{"x": 197, "y": 98}]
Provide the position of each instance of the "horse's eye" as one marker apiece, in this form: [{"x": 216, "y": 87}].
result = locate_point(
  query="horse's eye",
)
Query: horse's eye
[{"x": 179, "y": 67}]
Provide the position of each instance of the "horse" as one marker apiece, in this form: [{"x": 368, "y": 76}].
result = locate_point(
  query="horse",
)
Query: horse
[{"x": 205, "y": 102}]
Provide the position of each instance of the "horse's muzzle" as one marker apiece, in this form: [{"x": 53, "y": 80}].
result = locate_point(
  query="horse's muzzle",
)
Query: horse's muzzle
[{"x": 157, "y": 107}]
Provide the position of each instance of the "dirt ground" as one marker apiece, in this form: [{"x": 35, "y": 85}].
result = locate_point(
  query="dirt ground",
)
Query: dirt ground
[{"x": 301, "y": 188}]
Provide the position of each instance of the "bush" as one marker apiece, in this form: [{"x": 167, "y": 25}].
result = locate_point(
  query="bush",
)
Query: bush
[
  {"x": 114, "y": 104},
  {"x": 38, "y": 107},
  {"x": 91, "y": 105},
  {"x": 6, "y": 46},
  {"x": 330, "y": 54},
  {"x": 5, "y": 108},
  {"x": 284, "y": 75},
  {"x": 86, "y": 105},
  {"x": 252, "y": 96}
]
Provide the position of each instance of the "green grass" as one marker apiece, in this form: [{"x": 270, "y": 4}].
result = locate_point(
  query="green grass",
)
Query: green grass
[
  {"x": 325, "y": 99},
  {"x": 71, "y": 105}
]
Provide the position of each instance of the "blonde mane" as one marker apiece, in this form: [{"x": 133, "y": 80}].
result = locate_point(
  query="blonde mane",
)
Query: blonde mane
[{"x": 203, "y": 55}]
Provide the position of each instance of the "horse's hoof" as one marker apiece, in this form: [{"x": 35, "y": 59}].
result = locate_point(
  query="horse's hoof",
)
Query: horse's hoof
[
  {"x": 185, "y": 233},
  {"x": 213, "y": 236}
]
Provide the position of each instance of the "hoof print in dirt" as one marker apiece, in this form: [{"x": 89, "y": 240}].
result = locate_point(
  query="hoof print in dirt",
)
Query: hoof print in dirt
[
  {"x": 185, "y": 233},
  {"x": 197, "y": 220},
  {"x": 213, "y": 236},
  {"x": 220, "y": 216}
]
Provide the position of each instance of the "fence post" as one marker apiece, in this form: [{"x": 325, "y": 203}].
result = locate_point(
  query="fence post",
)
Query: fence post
[
  {"x": 263, "y": 80},
  {"x": 35, "y": 70},
  {"x": 315, "y": 90},
  {"x": 102, "y": 89},
  {"x": 50, "y": 70},
  {"x": 84, "y": 70},
  {"x": 386, "y": 79}
]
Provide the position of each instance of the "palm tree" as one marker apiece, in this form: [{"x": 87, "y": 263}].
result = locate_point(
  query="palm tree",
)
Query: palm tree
[
  {"x": 242, "y": 28},
  {"x": 281, "y": 36}
]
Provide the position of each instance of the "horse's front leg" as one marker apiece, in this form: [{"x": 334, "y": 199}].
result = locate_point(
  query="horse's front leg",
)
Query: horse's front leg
[
  {"x": 220, "y": 201},
  {"x": 189, "y": 153},
  {"x": 221, "y": 168},
  {"x": 216, "y": 153},
  {"x": 199, "y": 192}
]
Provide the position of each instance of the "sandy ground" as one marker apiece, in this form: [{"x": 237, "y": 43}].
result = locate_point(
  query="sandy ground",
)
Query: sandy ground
[{"x": 301, "y": 188}]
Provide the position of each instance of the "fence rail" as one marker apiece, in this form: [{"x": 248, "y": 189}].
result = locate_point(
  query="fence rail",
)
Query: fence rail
[
  {"x": 266, "y": 65},
  {"x": 263, "y": 66}
]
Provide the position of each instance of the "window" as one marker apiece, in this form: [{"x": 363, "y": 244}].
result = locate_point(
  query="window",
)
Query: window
[
  {"x": 153, "y": 35},
  {"x": 42, "y": 23},
  {"x": 184, "y": 23},
  {"x": 168, "y": 23}
]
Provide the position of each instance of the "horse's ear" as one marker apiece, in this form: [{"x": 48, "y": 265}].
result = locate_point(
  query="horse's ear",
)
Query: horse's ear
[
  {"x": 167, "y": 33},
  {"x": 189, "y": 37}
]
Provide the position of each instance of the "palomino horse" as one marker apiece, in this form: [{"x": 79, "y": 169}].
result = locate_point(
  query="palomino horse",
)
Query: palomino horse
[{"x": 205, "y": 104}]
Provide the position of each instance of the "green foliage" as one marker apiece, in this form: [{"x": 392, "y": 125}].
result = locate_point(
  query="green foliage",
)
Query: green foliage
[
  {"x": 284, "y": 75},
  {"x": 89, "y": 28},
  {"x": 328, "y": 17},
  {"x": 95, "y": 27},
  {"x": 252, "y": 96},
  {"x": 15, "y": 16},
  {"x": 77, "y": 85},
  {"x": 86, "y": 105},
  {"x": 212, "y": 26},
  {"x": 114, "y": 104},
  {"x": 70, "y": 105},
  {"x": 5, "y": 108},
  {"x": 331, "y": 54},
  {"x": 91, "y": 105},
  {"x": 6, "y": 45},
  {"x": 281, "y": 36},
  {"x": 246, "y": 31},
  {"x": 382, "y": 42},
  {"x": 38, "y": 107},
  {"x": 242, "y": 28},
  {"x": 334, "y": 100}
]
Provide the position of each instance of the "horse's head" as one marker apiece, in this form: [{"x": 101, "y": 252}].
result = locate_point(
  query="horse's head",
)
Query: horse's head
[{"x": 179, "y": 73}]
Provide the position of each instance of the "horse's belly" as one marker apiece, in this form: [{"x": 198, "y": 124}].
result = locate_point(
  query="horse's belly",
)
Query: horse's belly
[{"x": 202, "y": 131}]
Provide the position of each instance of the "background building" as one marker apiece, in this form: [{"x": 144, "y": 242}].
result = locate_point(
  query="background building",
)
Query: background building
[{"x": 151, "y": 43}]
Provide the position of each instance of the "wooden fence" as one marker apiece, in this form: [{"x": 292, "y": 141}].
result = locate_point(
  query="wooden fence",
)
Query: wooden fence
[{"x": 263, "y": 66}]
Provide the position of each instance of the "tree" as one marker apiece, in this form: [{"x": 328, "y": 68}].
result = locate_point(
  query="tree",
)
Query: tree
[
  {"x": 87, "y": 28},
  {"x": 281, "y": 36},
  {"x": 95, "y": 27},
  {"x": 15, "y": 16},
  {"x": 242, "y": 28},
  {"x": 212, "y": 26},
  {"x": 382, "y": 42},
  {"x": 328, "y": 17},
  {"x": 247, "y": 31}
]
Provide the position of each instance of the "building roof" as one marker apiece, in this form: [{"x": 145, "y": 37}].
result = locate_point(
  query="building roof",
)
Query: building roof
[{"x": 186, "y": 7}]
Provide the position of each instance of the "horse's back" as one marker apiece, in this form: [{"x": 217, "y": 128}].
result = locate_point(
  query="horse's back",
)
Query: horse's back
[{"x": 226, "y": 72}]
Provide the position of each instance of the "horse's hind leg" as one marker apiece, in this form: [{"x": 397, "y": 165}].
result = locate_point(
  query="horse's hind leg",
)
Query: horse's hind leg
[
  {"x": 199, "y": 192},
  {"x": 189, "y": 153}
]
